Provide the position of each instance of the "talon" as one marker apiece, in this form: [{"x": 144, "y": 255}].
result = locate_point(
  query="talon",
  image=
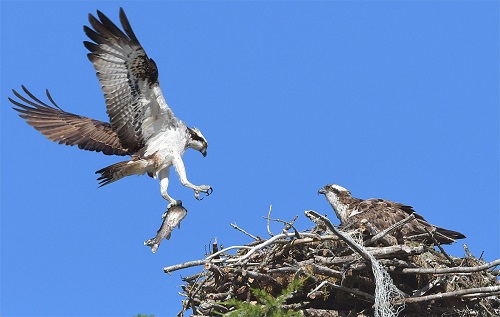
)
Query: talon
[
  {"x": 210, "y": 191},
  {"x": 174, "y": 203},
  {"x": 197, "y": 195}
]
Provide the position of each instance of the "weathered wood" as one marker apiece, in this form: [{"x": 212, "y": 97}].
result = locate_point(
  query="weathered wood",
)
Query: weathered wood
[
  {"x": 477, "y": 292},
  {"x": 449, "y": 270}
]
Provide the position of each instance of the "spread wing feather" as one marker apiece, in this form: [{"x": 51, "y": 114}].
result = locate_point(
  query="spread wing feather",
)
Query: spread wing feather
[
  {"x": 129, "y": 80},
  {"x": 67, "y": 128}
]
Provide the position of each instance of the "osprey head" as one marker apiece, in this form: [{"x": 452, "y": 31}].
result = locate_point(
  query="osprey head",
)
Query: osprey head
[
  {"x": 197, "y": 141},
  {"x": 332, "y": 189},
  {"x": 338, "y": 198}
]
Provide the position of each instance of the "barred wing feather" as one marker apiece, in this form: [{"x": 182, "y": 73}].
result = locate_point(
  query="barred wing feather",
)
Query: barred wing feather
[
  {"x": 135, "y": 104},
  {"x": 67, "y": 128}
]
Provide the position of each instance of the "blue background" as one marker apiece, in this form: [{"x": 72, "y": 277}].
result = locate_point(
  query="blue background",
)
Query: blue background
[{"x": 397, "y": 100}]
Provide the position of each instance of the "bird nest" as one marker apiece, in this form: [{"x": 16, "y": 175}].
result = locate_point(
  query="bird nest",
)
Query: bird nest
[{"x": 337, "y": 273}]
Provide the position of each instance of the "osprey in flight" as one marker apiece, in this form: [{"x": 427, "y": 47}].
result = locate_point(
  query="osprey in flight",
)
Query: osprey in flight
[
  {"x": 141, "y": 124},
  {"x": 381, "y": 214}
]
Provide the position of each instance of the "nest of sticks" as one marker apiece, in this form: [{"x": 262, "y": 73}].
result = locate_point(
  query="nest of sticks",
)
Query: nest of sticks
[{"x": 338, "y": 277}]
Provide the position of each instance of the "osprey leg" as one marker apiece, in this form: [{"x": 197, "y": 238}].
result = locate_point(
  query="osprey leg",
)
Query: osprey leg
[
  {"x": 181, "y": 171},
  {"x": 164, "y": 175}
]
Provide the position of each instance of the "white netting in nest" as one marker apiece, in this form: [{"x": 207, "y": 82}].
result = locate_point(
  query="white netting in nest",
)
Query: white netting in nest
[{"x": 386, "y": 293}]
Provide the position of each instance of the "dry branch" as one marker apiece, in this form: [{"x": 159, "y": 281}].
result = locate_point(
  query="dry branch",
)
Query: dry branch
[
  {"x": 185, "y": 265},
  {"x": 449, "y": 270},
  {"x": 486, "y": 291},
  {"x": 235, "y": 226}
]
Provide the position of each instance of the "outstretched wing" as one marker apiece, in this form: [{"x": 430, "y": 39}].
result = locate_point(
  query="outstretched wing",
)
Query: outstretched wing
[
  {"x": 129, "y": 80},
  {"x": 67, "y": 128}
]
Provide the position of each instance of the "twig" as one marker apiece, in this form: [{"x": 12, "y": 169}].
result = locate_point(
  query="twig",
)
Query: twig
[
  {"x": 219, "y": 296},
  {"x": 314, "y": 216},
  {"x": 378, "y": 253},
  {"x": 266, "y": 243},
  {"x": 284, "y": 270},
  {"x": 364, "y": 295},
  {"x": 440, "y": 247},
  {"x": 214, "y": 269},
  {"x": 479, "y": 295},
  {"x": 466, "y": 249},
  {"x": 294, "y": 306},
  {"x": 288, "y": 225},
  {"x": 318, "y": 312},
  {"x": 196, "y": 276},
  {"x": 172, "y": 268},
  {"x": 269, "y": 220},
  {"x": 389, "y": 230},
  {"x": 317, "y": 288},
  {"x": 256, "y": 275},
  {"x": 389, "y": 264},
  {"x": 216, "y": 254},
  {"x": 450, "y": 269},
  {"x": 428, "y": 287},
  {"x": 323, "y": 270},
  {"x": 460, "y": 293},
  {"x": 486, "y": 309},
  {"x": 191, "y": 295},
  {"x": 316, "y": 238},
  {"x": 260, "y": 246},
  {"x": 235, "y": 226},
  {"x": 253, "y": 249},
  {"x": 385, "y": 240}
]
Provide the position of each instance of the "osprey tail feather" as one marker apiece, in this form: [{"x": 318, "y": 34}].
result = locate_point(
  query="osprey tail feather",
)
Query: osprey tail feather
[
  {"x": 447, "y": 236},
  {"x": 441, "y": 235},
  {"x": 120, "y": 170}
]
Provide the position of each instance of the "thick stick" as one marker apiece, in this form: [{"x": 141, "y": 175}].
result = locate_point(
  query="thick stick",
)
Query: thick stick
[
  {"x": 451, "y": 269},
  {"x": 477, "y": 291}
]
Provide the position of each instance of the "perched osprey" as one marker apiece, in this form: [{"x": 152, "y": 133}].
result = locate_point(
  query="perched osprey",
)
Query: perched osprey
[
  {"x": 381, "y": 214},
  {"x": 141, "y": 124}
]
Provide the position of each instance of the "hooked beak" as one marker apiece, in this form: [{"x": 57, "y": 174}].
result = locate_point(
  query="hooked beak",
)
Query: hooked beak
[
  {"x": 204, "y": 152},
  {"x": 322, "y": 191}
]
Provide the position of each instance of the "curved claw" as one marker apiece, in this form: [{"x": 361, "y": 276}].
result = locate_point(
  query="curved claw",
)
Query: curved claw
[
  {"x": 174, "y": 203},
  {"x": 197, "y": 195},
  {"x": 209, "y": 190}
]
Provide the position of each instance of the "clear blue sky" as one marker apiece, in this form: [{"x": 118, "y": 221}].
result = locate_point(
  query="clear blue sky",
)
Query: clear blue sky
[{"x": 390, "y": 99}]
